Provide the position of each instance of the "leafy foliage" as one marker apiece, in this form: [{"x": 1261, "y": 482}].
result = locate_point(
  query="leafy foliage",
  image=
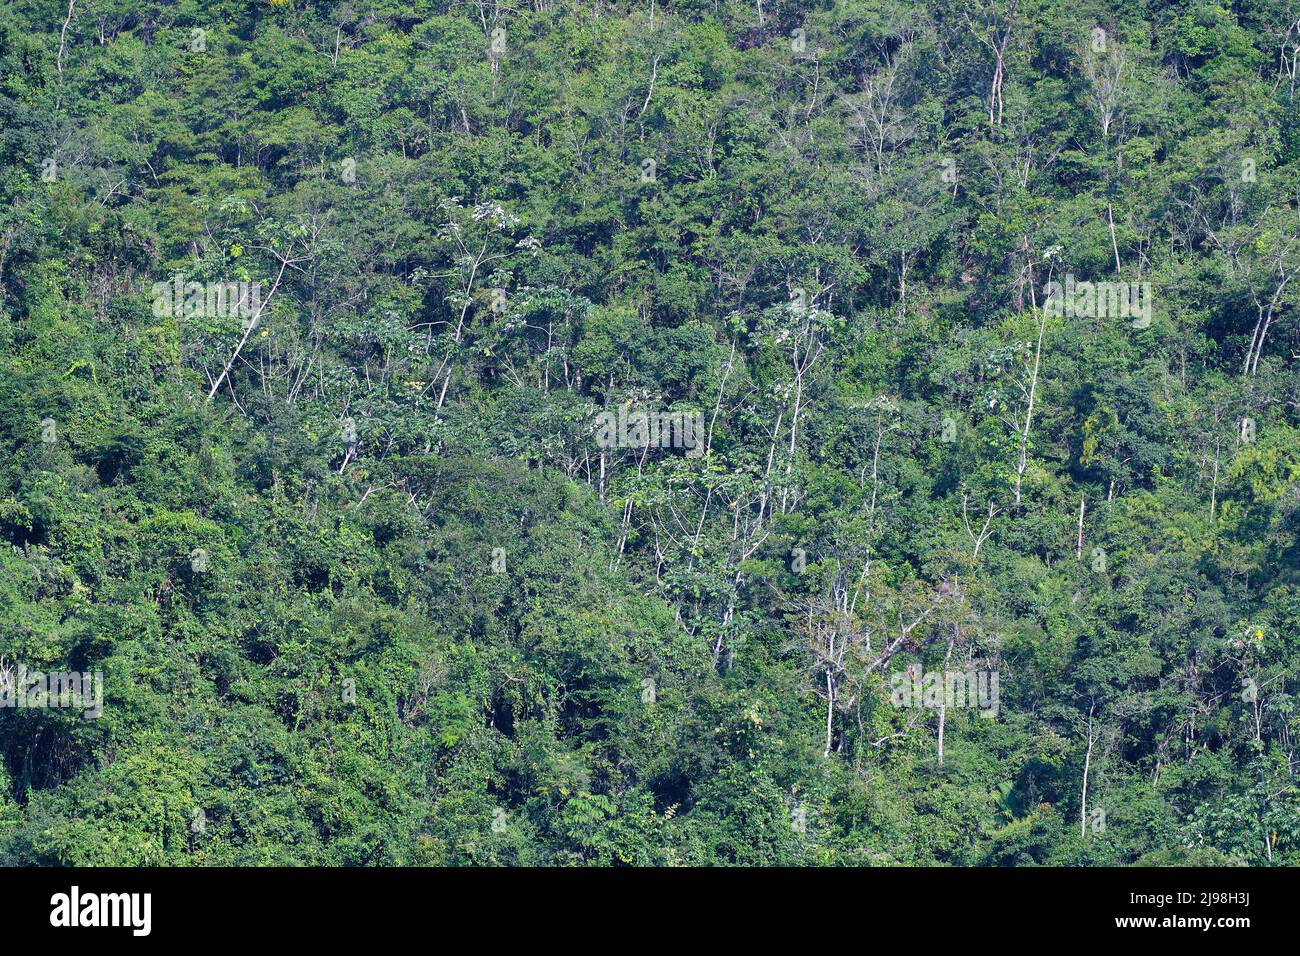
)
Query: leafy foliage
[{"x": 365, "y": 589}]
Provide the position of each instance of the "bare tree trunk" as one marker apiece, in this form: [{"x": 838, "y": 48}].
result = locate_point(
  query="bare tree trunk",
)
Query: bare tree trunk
[
  {"x": 1087, "y": 763},
  {"x": 58, "y": 60},
  {"x": 249, "y": 331},
  {"x": 1029, "y": 413},
  {"x": 830, "y": 708},
  {"x": 943, "y": 698},
  {"x": 1078, "y": 547},
  {"x": 1110, "y": 217},
  {"x": 1267, "y": 315}
]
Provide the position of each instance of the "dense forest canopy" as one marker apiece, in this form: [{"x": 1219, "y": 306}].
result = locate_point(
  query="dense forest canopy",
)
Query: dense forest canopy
[{"x": 856, "y": 432}]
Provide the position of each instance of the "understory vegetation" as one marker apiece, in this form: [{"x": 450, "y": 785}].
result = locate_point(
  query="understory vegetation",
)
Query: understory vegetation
[{"x": 977, "y": 321}]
